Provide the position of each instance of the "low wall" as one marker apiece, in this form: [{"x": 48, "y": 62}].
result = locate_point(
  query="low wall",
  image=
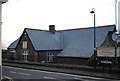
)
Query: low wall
[{"x": 67, "y": 66}]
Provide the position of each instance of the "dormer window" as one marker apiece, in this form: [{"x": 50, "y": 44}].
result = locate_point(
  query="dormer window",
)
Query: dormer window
[{"x": 24, "y": 44}]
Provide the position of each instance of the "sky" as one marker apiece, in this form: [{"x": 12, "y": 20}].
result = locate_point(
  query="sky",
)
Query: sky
[{"x": 64, "y": 14}]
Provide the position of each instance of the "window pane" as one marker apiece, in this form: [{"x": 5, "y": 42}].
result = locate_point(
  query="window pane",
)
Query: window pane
[{"x": 24, "y": 44}]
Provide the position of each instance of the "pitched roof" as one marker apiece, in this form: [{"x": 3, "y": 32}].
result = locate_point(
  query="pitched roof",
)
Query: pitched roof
[
  {"x": 74, "y": 42},
  {"x": 14, "y": 44},
  {"x": 79, "y": 42},
  {"x": 44, "y": 40}
]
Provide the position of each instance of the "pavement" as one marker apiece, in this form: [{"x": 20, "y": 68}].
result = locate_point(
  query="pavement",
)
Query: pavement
[{"x": 94, "y": 73}]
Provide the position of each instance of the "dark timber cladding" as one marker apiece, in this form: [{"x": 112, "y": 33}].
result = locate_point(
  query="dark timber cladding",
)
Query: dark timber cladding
[{"x": 74, "y": 46}]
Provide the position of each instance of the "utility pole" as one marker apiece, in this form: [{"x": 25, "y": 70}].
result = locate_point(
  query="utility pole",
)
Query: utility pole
[{"x": 1, "y": 2}]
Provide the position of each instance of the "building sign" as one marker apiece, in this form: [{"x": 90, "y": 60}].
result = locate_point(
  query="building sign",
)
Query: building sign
[{"x": 106, "y": 52}]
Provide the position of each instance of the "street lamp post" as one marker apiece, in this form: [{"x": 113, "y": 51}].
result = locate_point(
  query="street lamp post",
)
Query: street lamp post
[
  {"x": 95, "y": 50},
  {"x": 117, "y": 48}
]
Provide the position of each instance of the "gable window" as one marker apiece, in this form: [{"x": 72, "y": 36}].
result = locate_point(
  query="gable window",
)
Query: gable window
[
  {"x": 50, "y": 57},
  {"x": 25, "y": 56},
  {"x": 25, "y": 44}
]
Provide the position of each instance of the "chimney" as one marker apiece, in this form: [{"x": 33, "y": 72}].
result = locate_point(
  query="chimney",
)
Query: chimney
[{"x": 52, "y": 28}]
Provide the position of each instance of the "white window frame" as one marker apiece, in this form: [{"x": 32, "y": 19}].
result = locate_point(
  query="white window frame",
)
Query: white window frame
[
  {"x": 24, "y": 45},
  {"x": 51, "y": 57},
  {"x": 25, "y": 56}
]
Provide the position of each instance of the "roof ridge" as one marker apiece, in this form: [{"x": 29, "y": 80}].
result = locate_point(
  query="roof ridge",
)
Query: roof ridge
[
  {"x": 35, "y": 29},
  {"x": 85, "y": 28},
  {"x": 71, "y": 29}
]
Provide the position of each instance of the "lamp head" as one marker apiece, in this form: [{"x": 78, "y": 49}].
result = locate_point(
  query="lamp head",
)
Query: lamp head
[{"x": 93, "y": 11}]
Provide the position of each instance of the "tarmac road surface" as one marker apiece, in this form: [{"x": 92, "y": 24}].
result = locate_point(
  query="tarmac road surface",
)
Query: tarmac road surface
[{"x": 21, "y": 74}]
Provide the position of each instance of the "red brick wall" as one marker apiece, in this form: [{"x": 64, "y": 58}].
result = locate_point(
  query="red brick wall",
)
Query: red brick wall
[
  {"x": 33, "y": 56},
  {"x": 31, "y": 52},
  {"x": 42, "y": 55}
]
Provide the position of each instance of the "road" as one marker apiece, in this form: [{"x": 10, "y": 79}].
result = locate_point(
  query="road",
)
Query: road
[{"x": 20, "y": 73}]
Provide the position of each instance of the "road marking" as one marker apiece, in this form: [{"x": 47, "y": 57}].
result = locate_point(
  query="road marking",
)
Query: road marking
[
  {"x": 20, "y": 73},
  {"x": 81, "y": 76},
  {"x": 48, "y": 77},
  {"x": 81, "y": 79},
  {"x": 77, "y": 78},
  {"x": 24, "y": 74},
  {"x": 55, "y": 75}
]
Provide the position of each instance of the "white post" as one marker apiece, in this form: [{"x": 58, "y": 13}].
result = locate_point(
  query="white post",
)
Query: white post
[
  {"x": 1, "y": 2},
  {"x": 0, "y": 41},
  {"x": 118, "y": 21},
  {"x": 118, "y": 18},
  {"x": 0, "y": 33},
  {"x": 116, "y": 15}
]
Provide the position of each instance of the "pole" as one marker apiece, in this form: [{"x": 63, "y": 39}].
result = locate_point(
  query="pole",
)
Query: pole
[
  {"x": 1, "y": 2},
  {"x": 0, "y": 40},
  {"x": 94, "y": 34},
  {"x": 95, "y": 51},
  {"x": 116, "y": 13},
  {"x": 94, "y": 39},
  {"x": 116, "y": 53}
]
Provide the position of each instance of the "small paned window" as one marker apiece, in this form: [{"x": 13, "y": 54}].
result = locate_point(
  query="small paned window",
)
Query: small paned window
[
  {"x": 25, "y": 56},
  {"x": 50, "y": 57},
  {"x": 25, "y": 44}
]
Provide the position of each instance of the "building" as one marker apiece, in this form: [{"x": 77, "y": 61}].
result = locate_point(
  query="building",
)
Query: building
[
  {"x": 12, "y": 53},
  {"x": 73, "y": 46}
]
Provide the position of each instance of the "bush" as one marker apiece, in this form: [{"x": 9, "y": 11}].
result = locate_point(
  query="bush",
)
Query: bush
[{"x": 93, "y": 62}]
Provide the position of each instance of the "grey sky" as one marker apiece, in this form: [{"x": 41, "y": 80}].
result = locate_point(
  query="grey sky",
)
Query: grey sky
[{"x": 65, "y": 14}]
